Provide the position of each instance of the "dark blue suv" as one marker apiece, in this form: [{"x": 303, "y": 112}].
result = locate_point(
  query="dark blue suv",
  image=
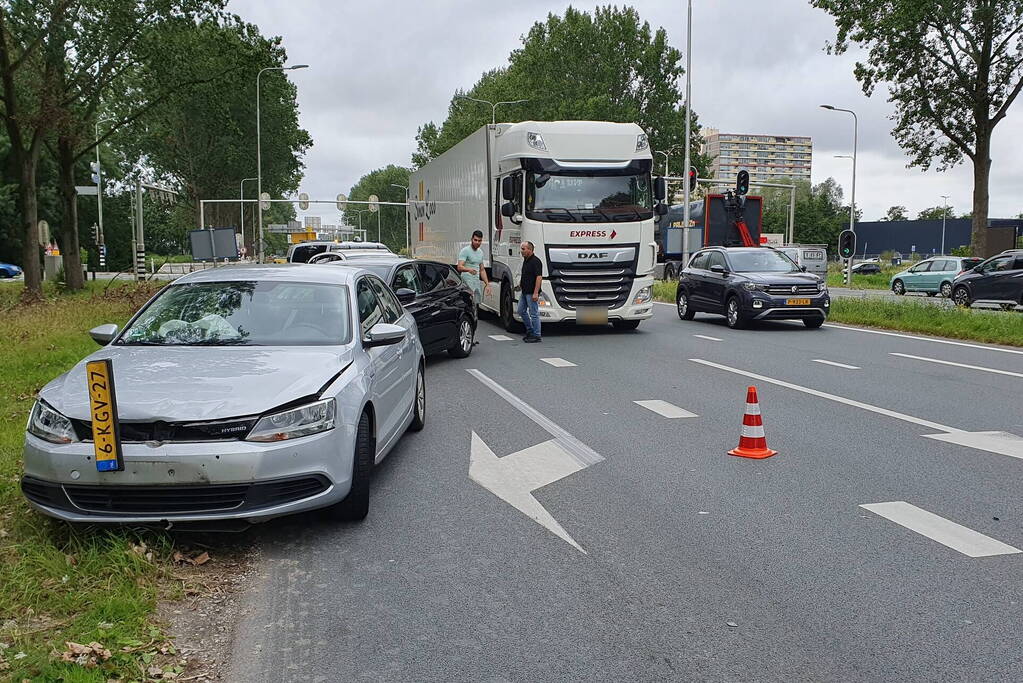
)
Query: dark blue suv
[{"x": 750, "y": 283}]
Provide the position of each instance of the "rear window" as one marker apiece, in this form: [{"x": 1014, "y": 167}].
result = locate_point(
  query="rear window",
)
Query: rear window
[
  {"x": 970, "y": 263},
  {"x": 304, "y": 252}
]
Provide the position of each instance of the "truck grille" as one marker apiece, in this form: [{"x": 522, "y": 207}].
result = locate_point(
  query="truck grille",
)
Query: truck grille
[
  {"x": 787, "y": 289},
  {"x": 592, "y": 284}
]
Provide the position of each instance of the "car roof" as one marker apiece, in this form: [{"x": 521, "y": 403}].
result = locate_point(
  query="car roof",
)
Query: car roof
[
  {"x": 732, "y": 250},
  {"x": 275, "y": 272}
]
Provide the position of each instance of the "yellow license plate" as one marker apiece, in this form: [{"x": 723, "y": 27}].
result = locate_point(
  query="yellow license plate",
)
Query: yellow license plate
[
  {"x": 106, "y": 441},
  {"x": 797, "y": 302}
]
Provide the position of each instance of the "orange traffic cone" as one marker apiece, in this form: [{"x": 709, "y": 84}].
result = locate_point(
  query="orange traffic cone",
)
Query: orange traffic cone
[{"x": 752, "y": 442}]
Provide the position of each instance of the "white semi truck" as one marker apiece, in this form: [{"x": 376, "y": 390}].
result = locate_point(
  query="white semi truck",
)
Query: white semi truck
[{"x": 580, "y": 191}]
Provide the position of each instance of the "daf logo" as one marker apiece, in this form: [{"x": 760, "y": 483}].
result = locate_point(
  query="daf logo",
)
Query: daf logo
[
  {"x": 593, "y": 254},
  {"x": 794, "y": 289}
]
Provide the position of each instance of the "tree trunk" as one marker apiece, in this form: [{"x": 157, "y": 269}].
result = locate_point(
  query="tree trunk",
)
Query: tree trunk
[
  {"x": 981, "y": 178},
  {"x": 28, "y": 200},
  {"x": 69, "y": 243}
]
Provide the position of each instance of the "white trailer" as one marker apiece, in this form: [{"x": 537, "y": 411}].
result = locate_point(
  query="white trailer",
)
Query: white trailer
[{"x": 580, "y": 191}]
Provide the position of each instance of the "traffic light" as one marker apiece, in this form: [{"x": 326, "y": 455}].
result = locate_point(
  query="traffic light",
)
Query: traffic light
[
  {"x": 693, "y": 178},
  {"x": 95, "y": 234},
  {"x": 742, "y": 183},
  {"x": 94, "y": 167},
  {"x": 847, "y": 244}
]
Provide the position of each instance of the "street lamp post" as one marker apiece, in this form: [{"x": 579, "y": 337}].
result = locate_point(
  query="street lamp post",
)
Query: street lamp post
[
  {"x": 852, "y": 204},
  {"x": 408, "y": 236},
  {"x": 99, "y": 181},
  {"x": 241, "y": 206},
  {"x": 944, "y": 215},
  {"x": 688, "y": 141},
  {"x": 259, "y": 154},
  {"x": 493, "y": 105}
]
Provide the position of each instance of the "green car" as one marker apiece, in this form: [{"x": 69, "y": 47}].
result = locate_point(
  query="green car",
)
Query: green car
[{"x": 934, "y": 276}]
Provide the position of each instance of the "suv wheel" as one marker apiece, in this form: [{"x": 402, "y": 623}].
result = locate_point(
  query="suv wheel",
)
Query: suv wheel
[
  {"x": 734, "y": 314},
  {"x": 899, "y": 287},
  {"x": 682, "y": 305},
  {"x": 961, "y": 297},
  {"x": 814, "y": 323},
  {"x": 466, "y": 337},
  {"x": 946, "y": 290}
]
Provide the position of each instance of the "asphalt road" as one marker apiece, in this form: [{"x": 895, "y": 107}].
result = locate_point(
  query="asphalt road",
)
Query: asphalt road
[{"x": 674, "y": 560}]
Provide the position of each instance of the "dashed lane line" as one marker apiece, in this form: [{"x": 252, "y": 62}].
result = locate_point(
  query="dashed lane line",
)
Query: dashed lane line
[
  {"x": 837, "y": 365},
  {"x": 959, "y": 365},
  {"x": 559, "y": 362},
  {"x": 500, "y": 337},
  {"x": 944, "y": 531},
  {"x": 665, "y": 409},
  {"x": 703, "y": 336}
]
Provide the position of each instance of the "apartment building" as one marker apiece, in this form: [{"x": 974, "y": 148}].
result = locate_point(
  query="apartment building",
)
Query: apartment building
[{"x": 766, "y": 157}]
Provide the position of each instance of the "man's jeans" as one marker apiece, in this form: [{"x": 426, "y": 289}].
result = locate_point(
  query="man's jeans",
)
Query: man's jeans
[{"x": 530, "y": 314}]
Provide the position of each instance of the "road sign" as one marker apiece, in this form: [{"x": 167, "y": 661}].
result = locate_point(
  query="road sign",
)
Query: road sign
[
  {"x": 342, "y": 201},
  {"x": 86, "y": 189},
  {"x": 264, "y": 201},
  {"x": 303, "y": 202},
  {"x": 373, "y": 206}
]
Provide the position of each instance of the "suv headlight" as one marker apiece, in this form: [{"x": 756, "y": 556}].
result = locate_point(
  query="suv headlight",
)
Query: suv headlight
[
  {"x": 752, "y": 286},
  {"x": 49, "y": 425},
  {"x": 822, "y": 286},
  {"x": 311, "y": 418},
  {"x": 642, "y": 296}
]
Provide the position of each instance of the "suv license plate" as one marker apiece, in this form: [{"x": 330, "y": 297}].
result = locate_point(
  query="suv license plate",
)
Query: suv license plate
[{"x": 797, "y": 302}]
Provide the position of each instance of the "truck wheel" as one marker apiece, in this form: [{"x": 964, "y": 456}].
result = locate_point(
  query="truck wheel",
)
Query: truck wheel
[
  {"x": 625, "y": 324},
  {"x": 734, "y": 315},
  {"x": 669, "y": 271},
  {"x": 508, "y": 321}
]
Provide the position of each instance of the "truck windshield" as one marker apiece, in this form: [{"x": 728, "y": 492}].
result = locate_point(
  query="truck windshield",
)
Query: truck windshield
[{"x": 567, "y": 198}]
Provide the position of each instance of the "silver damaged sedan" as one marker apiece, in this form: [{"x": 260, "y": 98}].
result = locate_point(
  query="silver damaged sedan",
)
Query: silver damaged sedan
[{"x": 242, "y": 393}]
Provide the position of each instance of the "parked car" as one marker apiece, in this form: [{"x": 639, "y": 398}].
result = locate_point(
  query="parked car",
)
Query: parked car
[
  {"x": 750, "y": 283},
  {"x": 933, "y": 276},
  {"x": 813, "y": 257},
  {"x": 866, "y": 268},
  {"x": 303, "y": 251},
  {"x": 996, "y": 280},
  {"x": 242, "y": 393},
  {"x": 9, "y": 270},
  {"x": 443, "y": 305},
  {"x": 348, "y": 255}
]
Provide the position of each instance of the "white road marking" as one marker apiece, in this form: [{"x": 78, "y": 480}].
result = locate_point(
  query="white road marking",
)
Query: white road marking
[
  {"x": 703, "y": 336},
  {"x": 930, "y": 339},
  {"x": 559, "y": 362},
  {"x": 832, "y": 397},
  {"x": 1003, "y": 443},
  {"x": 514, "y": 477},
  {"x": 959, "y": 365},
  {"x": 665, "y": 409},
  {"x": 500, "y": 337},
  {"x": 837, "y": 365},
  {"x": 937, "y": 528}
]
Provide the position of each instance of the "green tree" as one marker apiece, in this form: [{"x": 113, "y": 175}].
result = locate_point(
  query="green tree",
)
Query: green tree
[
  {"x": 896, "y": 213},
  {"x": 951, "y": 67},
  {"x": 936, "y": 213},
  {"x": 605, "y": 66},
  {"x": 820, "y": 213},
  {"x": 393, "y": 221}
]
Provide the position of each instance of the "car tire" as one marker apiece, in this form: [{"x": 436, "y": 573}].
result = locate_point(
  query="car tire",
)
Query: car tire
[
  {"x": 734, "y": 315},
  {"x": 508, "y": 321},
  {"x": 419, "y": 402},
  {"x": 683, "y": 306},
  {"x": 465, "y": 340},
  {"x": 625, "y": 324},
  {"x": 899, "y": 287},
  {"x": 946, "y": 290},
  {"x": 814, "y": 323},
  {"x": 961, "y": 297},
  {"x": 355, "y": 506}
]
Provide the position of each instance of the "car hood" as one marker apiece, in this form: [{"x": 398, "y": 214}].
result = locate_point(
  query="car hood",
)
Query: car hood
[
  {"x": 180, "y": 384},
  {"x": 782, "y": 278}
]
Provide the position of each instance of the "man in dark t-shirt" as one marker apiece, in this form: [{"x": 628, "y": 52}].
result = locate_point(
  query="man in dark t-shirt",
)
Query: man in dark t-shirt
[{"x": 532, "y": 277}]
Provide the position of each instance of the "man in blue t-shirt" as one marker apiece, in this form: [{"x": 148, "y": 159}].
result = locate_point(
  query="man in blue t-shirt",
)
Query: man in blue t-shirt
[{"x": 470, "y": 266}]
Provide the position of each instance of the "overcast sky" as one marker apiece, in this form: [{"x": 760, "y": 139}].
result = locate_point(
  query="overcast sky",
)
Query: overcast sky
[{"x": 379, "y": 70}]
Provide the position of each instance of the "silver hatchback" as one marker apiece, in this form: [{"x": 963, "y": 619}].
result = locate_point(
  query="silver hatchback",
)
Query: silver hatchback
[{"x": 239, "y": 393}]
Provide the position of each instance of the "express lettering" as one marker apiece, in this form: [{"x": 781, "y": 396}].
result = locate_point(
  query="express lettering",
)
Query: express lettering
[{"x": 588, "y": 233}]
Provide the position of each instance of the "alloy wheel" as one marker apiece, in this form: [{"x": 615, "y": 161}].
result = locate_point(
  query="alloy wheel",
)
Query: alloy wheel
[{"x": 465, "y": 336}]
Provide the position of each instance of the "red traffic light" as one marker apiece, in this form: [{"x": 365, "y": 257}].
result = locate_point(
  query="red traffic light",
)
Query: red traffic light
[{"x": 693, "y": 178}]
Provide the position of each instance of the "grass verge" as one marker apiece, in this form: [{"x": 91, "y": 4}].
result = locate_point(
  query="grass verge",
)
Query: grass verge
[{"x": 60, "y": 583}]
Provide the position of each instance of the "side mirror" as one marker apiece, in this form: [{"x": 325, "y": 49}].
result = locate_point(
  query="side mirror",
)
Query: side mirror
[
  {"x": 660, "y": 209},
  {"x": 104, "y": 334},
  {"x": 406, "y": 296},
  {"x": 720, "y": 270},
  {"x": 383, "y": 334},
  {"x": 507, "y": 209},
  {"x": 660, "y": 189},
  {"x": 508, "y": 188},
  {"x": 802, "y": 268}
]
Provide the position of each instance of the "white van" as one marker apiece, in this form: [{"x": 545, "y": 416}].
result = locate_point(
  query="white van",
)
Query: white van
[{"x": 813, "y": 256}]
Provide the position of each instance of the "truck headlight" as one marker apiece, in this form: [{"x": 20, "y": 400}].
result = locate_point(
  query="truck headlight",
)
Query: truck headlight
[
  {"x": 542, "y": 300},
  {"x": 535, "y": 140},
  {"x": 49, "y": 425},
  {"x": 642, "y": 142},
  {"x": 311, "y": 418},
  {"x": 642, "y": 296}
]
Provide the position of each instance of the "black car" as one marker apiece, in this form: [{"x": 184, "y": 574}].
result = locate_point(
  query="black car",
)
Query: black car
[
  {"x": 998, "y": 280},
  {"x": 750, "y": 283},
  {"x": 433, "y": 292},
  {"x": 866, "y": 269}
]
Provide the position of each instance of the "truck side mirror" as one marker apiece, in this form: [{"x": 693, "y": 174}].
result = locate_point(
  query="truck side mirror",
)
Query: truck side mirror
[
  {"x": 660, "y": 189},
  {"x": 660, "y": 209},
  {"x": 507, "y": 209},
  {"x": 507, "y": 190}
]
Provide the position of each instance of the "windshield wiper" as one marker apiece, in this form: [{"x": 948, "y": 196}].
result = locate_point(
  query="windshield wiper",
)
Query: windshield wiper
[
  {"x": 551, "y": 212},
  {"x": 217, "y": 342},
  {"x": 141, "y": 342}
]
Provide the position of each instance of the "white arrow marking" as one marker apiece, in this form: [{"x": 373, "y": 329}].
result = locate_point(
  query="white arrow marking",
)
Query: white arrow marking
[{"x": 514, "y": 477}]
